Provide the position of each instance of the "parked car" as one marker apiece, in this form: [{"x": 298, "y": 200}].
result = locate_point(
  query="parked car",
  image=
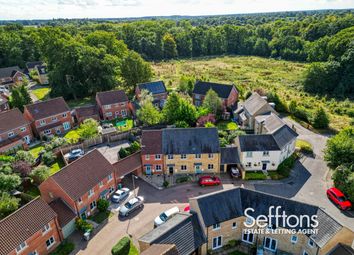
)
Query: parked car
[
  {"x": 209, "y": 181},
  {"x": 131, "y": 205},
  {"x": 337, "y": 197},
  {"x": 235, "y": 173},
  {"x": 3, "y": 90},
  {"x": 187, "y": 208},
  {"x": 74, "y": 154},
  {"x": 120, "y": 195},
  {"x": 165, "y": 216}
]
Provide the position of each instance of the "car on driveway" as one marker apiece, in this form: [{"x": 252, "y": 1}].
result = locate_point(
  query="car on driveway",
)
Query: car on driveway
[
  {"x": 74, "y": 155},
  {"x": 209, "y": 181},
  {"x": 120, "y": 195},
  {"x": 235, "y": 173},
  {"x": 130, "y": 206},
  {"x": 165, "y": 216},
  {"x": 338, "y": 198}
]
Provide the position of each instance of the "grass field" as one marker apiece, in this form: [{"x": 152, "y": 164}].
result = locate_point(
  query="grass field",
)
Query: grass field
[
  {"x": 284, "y": 77},
  {"x": 41, "y": 93}
]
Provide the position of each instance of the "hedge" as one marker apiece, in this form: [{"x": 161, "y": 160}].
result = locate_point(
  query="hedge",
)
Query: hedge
[{"x": 122, "y": 247}]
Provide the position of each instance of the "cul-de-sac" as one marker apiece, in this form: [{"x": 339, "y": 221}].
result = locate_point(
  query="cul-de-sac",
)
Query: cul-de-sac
[{"x": 126, "y": 129}]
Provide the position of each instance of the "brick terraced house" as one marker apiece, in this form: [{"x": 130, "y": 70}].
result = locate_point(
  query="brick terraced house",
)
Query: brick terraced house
[
  {"x": 32, "y": 229},
  {"x": 181, "y": 151},
  {"x": 10, "y": 76},
  {"x": 157, "y": 89},
  {"x": 227, "y": 93},
  {"x": 81, "y": 183},
  {"x": 50, "y": 117},
  {"x": 113, "y": 104},
  {"x": 15, "y": 130}
]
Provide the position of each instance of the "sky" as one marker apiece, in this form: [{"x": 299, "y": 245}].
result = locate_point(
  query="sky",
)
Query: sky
[{"x": 49, "y": 9}]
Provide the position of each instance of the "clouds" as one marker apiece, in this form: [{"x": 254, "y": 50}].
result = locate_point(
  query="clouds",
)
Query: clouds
[{"x": 48, "y": 9}]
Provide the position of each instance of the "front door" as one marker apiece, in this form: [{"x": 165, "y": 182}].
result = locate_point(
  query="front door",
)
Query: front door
[
  {"x": 198, "y": 169},
  {"x": 148, "y": 170},
  {"x": 170, "y": 169},
  {"x": 27, "y": 139},
  {"x": 264, "y": 166}
]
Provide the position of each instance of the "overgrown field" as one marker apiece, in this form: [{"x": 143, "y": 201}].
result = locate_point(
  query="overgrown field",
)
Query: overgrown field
[{"x": 251, "y": 73}]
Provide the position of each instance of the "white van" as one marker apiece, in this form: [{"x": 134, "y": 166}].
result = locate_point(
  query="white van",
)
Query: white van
[{"x": 165, "y": 216}]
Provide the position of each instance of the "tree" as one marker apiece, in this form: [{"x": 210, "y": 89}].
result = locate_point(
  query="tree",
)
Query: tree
[
  {"x": 340, "y": 148},
  {"x": 320, "y": 119},
  {"x": 273, "y": 97},
  {"x": 20, "y": 97},
  {"x": 186, "y": 112},
  {"x": 88, "y": 129},
  {"x": 186, "y": 84},
  {"x": 40, "y": 174},
  {"x": 25, "y": 156},
  {"x": 169, "y": 46},
  {"x": 102, "y": 205},
  {"x": 9, "y": 182},
  {"x": 343, "y": 179},
  {"x": 148, "y": 114},
  {"x": 48, "y": 158},
  {"x": 22, "y": 167},
  {"x": 145, "y": 96},
  {"x": 212, "y": 102},
  {"x": 134, "y": 70},
  {"x": 8, "y": 204},
  {"x": 170, "y": 109}
]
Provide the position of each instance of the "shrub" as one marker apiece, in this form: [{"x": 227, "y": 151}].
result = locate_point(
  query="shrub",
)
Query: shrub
[
  {"x": 320, "y": 119},
  {"x": 48, "y": 158},
  {"x": 343, "y": 179},
  {"x": 83, "y": 225},
  {"x": 165, "y": 184},
  {"x": 6, "y": 159},
  {"x": 65, "y": 248},
  {"x": 25, "y": 156},
  {"x": 305, "y": 147},
  {"x": 40, "y": 174},
  {"x": 285, "y": 167},
  {"x": 102, "y": 205},
  {"x": 22, "y": 167},
  {"x": 182, "y": 179},
  {"x": 122, "y": 247}
]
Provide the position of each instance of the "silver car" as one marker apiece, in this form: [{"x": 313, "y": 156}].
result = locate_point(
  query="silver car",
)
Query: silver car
[
  {"x": 120, "y": 195},
  {"x": 131, "y": 205}
]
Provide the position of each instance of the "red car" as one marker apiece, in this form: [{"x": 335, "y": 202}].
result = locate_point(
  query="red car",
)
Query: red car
[
  {"x": 337, "y": 197},
  {"x": 209, "y": 181}
]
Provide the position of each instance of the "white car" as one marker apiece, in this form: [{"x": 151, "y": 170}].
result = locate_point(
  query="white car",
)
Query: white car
[
  {"x": 131, "y": 205},
  {"x": 165, "y": 216},
  {"x": 120, "y": 195}
]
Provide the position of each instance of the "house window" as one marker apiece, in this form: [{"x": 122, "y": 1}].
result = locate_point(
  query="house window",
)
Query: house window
[
  {"x": 248, "y": 238},
  {"x": 293, "y": 239},
  {"x": 210, "y": 155},
  {"x": 100, "y": 184},
  {"x": 122, "y": 104},
  {"x": 198, "y": 155},
  {"x": 116, "y": 113},
  {"x": 21, "y": 247},
  {"x": 217, "y": 242},
  {"x": 64, "y": 115},
  {"x": 54, "y": 119},
  {"x": 249, "y": 221},
  {"x": 80, "y": 200},
  {"x": 66, "y": 125},
  {"x": 107, "y": 107},
  {"x": 158, "y": 156},
  {"x": 11, "y": 134},
  {"x": 197, "y": 96},
  {"x": 249, "y": 154},
  {"x": 91, "y": 192},
  {"x": 147, "y": 156},
  {"x": 46, "y": 228},
  {"x": 50, "y": 242},
  {"x": 42, "y": 122},
  {"x": 170, "y": 156},
  {"x": 108, "y": 114},
  {"x": 305, "y": 253},
  {"x": 270, "y": 244},
  {"x": 158, "y": 168},
  {"x": 266, "y": 153},
  {"x": 34, "y": 253},
  {"x": 110, "y": 177},
  {"x": 183, "y": 156},
  {"x": 124, "y": 113},
  {"x": 234, "y": 225},
  {"x": 216, "y": 226},
  {"x": 93, "y": 205},
  {"x": 58, "y": 131},
  {"x": 23, "y": 129},
  {"x": 47, "y": 132},
  {"x": 183, "y": 167},
  {"x": 111, "y": 189},
  {"x": 210, "y": 166},
  {"x": 310, "y": 243},
  {"x": 249, "y": 164}
]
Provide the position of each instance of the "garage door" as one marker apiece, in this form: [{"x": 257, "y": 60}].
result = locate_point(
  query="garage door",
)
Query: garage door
[{"x": 68, "y": 228}]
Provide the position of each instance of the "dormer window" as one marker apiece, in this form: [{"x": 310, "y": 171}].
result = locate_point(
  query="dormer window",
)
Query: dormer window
[{"x": 42, "y": 122}]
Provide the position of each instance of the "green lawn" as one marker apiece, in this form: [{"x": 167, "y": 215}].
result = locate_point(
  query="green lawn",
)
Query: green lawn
[
  {"x": 121, "y": 125},
  {"x": 41, "y": 93},
  {"x": 100, "y": 216},
  {"x": 72, "y": 136},
  {"x": 258, "y": 175},
  {"x": 226, "y": 125},
  {"x": 56, "y": 166},
  {"x": 81, "y": 102},
  {"x": 304, "y": 146},
  {"x": 36, "y": 150}
]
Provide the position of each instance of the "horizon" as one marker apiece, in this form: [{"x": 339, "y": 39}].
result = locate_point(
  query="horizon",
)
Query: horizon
[{"x": 139, "y": 9}]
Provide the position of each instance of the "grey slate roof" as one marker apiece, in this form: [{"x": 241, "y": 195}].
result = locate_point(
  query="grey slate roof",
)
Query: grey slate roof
[
  {"x": 258, "y": 143},
  {"x": 271, "y": 122},
  {"x": 229, "y": 155},
  {"x": 202, "y": 87},
  {"x": 284, "y": 135},
  {"x": 9, "y": 71},
  {"x": 31, "y": 65},
  {"x": 229, "y": 204},
  {"x": 341, "y": 249},
  {"x": 155, "y": 87},
  {"x": 183, "y": 230},
  {"x": 190, "y": 140},
  {"x": 254, "y": 103}
]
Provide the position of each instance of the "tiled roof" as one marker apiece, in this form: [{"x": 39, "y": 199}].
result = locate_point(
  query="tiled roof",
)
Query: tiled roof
[
  {"x": 155, "y": 87},
  {"x": 86, "y": 111},
  {"x": 258, "y": 143},
  {"x": 284, "y": 135},
  {"x": 83, "y": 174},
  {"x": 9, "y": 71},
  {"x": 229, "y": 155},
  {"x": 226, "y": 205},
  {"x": 202, "y": 87},
  {"x": 128, "y": 164},
  {"x": 47, "y": 108},
  {"x": 31, "y": 65},
  {"x": 23, "y": 223},
  {"x": 49, "y": 126},
  {"x": 161, "y": 249},
  {"x": 112, "y": 97},
  {"x": 271, "y": 122},
  {"x": 65, "y": 214},
  {"x": 254, "y": 103},
  {"x": 11, "y": 119},
  {"x": 190, "y": 140},
  {"x": 151, "y": 141},
  {"x": 341, "y": 249},
  {"x": 183, "y": 230}
]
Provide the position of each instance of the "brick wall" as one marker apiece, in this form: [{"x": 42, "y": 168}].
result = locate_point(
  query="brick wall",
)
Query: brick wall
[{"x": 150, "y": 159}]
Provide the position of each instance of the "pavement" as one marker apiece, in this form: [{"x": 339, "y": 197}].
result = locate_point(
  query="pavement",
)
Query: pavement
[{"x": 110, "y": 151}]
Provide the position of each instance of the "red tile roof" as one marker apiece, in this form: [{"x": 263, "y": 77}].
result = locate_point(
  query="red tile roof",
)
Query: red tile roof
[
  {"x": 83, "y": 174},
  {"x": 23, "y": 223},
  {"x": 65, "y": 214},
  {"x": 11, "y": 119},
  {"x": 112, "y": 97},
  {"x": 151, "y": 142},
  {"x": 128, "y": 164},
  {"x": 86, "y": 111},
  {"x": 47, "y": 108}
]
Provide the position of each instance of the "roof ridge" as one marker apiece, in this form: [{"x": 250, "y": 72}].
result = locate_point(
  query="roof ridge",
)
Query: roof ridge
[{"x": 45, "y": 101}]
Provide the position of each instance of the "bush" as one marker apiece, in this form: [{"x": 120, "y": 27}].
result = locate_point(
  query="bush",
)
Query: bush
[
  {"x": 165, "y": 184},
  {"x": 257, "y": 175},
  {"x": 25, "y": 156},
  {"x": 48, "y": 158},
  {"x": 343, "y": 179},
  {"x": 40, "y": 174},
  {"x": 305, "y": 147},
  {"x": 83, "y": 225},
  {"x": 65, "y": 248},
  {"x": 102, "y": 205},
  {"x": 320, "y": 119},
  {"x": 183, "y": 179},
  {"x": 285, "y": 167},
  {"x": 122, "y": 247},
  {"x": 22, "y": 167}
]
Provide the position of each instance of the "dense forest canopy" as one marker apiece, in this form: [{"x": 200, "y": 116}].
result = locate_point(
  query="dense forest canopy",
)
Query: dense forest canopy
[{"x": 324, "y": 38}]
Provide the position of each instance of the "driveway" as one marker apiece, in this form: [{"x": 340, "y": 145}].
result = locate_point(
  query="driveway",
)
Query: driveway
[{"x": 110, "y": 151}]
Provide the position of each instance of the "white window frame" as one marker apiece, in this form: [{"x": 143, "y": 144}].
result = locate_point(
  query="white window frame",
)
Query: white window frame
[
  {"x": 93, "y": 205},
  {"x": 21, "y": 247},
  {"x": 157, "y": 156},
  {"x": 147, "y": 156},
  {"x": 54, "y": 119},
  {"x": 47, "y": 132},
  {"x": 249, "y": 154},
  {"x": 108, "y": 114},
  {"x": 46, "y": 228},
  {"x": 292, "y": 239},
  {"x": 216, "y": 226},
  {"x": 123, "y": 113},
  {"x": 266, "y": 153},
  {"x": 106, "y": 107},
  {"x": 122, "y": 104},
  {"x": 109, "y": 177},
  {"x": 183, "y": 166},
  {"x": 271, "y": 240},
  {"x": 210, "y": 166},
  {"x": 52, "y": 242},
  {"x": 11, "y": 134},
  {"x": 42, "y": 122},
  {"x": 247, "y": 241},
  {"x": 219, "y": 245},
  {"x": 210, "y": 155},
  {"x": 198, "y": 155},
  {"x": 100, "y": 184},
  {"x": 183, "y": 156},
  {"x": 23, "y": 129},
  {"x": 304, "y": 252},
  {"x": 170, "y": 156},
  {"x": 80, "y": 200},
  {"x": 234, "y": 225},
  {"x": 64, "y": 115},
  {"x": 91, "y": 192},
  {"x": 249, "y": 221},
  {"x": 66, "y": 125},
  {"x": 248, "y": 164},
  {"x": 158, "y": 166},
  {"x": 309, "y": 243}
]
